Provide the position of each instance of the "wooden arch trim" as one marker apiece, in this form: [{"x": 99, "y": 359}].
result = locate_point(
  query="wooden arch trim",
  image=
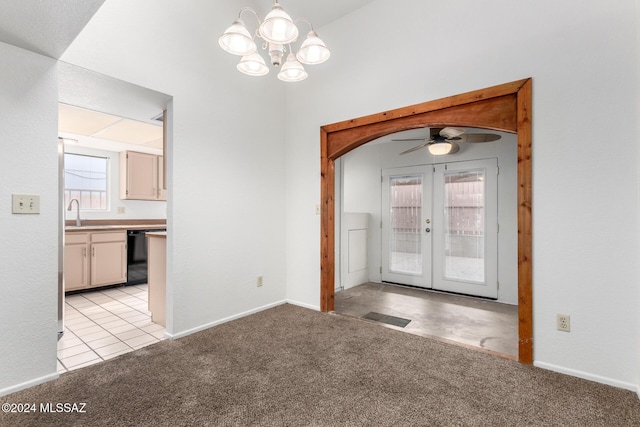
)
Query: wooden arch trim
[{"x": 505, "y": 107}]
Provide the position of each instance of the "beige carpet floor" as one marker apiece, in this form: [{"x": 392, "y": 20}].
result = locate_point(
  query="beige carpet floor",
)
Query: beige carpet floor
[{"x": 290, "y": 366}]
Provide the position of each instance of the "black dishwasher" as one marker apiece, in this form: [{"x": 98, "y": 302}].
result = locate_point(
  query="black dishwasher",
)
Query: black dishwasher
[{"x": 137, "y": 256}]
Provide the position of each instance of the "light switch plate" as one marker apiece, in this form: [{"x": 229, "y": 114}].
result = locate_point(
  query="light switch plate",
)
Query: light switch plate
[{"x": 25, "y": 203}]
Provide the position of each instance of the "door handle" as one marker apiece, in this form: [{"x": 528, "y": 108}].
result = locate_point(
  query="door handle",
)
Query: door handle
[{"x": 427, "y": 229}]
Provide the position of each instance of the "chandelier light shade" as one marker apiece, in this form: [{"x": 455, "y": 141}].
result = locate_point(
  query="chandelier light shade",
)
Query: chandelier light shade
[
  {"x": 313, "y": 50},
  {"x": 278, "y": 32},
  {"x": 237, "y": 40},
  {"x": 278, "y": 27},
  {"x": 440, "y": 148},
  {"x": 253, "y": 65},
  {"x": 292, "y": 70}
]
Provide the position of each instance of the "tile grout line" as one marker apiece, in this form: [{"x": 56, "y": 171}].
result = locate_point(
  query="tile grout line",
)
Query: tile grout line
[{"x": 129, "y": 307}]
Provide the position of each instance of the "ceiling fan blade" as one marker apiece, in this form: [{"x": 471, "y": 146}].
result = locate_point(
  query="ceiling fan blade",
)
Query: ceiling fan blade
[
  {"x": 479, "y": 137},
  {"x": 450, "y": 133},
  {"x": 411, "y": 139},
  {"x": 415, "y": 148},
  {"x": 454, "y": 147}
]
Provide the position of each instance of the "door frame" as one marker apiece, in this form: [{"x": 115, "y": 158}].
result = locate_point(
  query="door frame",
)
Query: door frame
[{"x": 505, "y": 107}]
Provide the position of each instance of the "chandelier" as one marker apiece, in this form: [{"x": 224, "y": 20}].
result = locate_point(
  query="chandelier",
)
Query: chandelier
[{"x": 277, "y": 31}]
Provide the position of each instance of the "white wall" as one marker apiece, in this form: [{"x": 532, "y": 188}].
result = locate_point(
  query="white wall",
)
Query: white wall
[
  {"x": 134, "y": 209},
  {"x": 29, "y": 248},
  {"x": 585, "y": 210},
  {"x": 226, "y": 216},
  {"x": 361, "y": 171}
]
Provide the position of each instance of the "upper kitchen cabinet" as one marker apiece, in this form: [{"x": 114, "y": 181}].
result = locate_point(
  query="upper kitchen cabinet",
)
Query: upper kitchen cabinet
[
  {"x": 141, "y": 176},
  {"x": 162, "y": 186}
]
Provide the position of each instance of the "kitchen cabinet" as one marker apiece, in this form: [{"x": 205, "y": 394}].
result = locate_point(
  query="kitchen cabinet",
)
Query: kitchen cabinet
[
  {"x": 157, "y": 262},
  {"x": 141, "y": 176},
  {"x": 108, "y": 258},
  {"x": 162, "y": 188},
  {"x": 95, "y": 259},
  {"x": 76, "y": 261}
]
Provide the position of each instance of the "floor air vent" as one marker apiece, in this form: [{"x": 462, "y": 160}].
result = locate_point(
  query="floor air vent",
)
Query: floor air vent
[{"x": 385, "y": 318}]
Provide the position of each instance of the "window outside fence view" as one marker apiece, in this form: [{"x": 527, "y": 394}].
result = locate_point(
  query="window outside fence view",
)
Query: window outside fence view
[{"x": 85, "y": 179}]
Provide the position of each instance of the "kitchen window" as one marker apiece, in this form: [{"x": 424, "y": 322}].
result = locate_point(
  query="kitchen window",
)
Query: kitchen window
[{"x": 85, "y": 179}]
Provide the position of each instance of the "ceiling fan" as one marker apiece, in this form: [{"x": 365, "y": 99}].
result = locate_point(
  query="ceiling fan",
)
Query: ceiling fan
[{"x": 445, "y": 140}]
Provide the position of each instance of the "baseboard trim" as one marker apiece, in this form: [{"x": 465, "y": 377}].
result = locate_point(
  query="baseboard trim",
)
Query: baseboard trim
[
  {"x": 28, "y": 384},
  {"x": 588, "y": 376},
  {"x": 224, "y": 320},
  {"x": 303, "y": 304}
]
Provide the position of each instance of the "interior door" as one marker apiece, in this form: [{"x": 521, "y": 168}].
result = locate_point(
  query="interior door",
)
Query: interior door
[
  {"x": 406, "y": 225},
  {"x": 465, "y": 231}
]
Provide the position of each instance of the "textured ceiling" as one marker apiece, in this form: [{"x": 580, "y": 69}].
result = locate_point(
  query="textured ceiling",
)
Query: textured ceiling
[
  {"x": 48, "y": 27},
  {"x": 318, "y": 12}
]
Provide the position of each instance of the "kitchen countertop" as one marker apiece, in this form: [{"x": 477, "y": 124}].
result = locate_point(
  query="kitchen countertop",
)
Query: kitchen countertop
[
  {"x": 157, "y": 234},
  {"x": 114, "y": 227}
]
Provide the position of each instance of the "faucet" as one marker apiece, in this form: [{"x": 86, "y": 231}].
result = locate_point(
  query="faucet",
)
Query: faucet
[{"x": 78, "y": 220}]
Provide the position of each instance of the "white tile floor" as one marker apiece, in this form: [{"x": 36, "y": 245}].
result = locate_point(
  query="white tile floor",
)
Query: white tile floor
[{"x": 104, "y": 324}]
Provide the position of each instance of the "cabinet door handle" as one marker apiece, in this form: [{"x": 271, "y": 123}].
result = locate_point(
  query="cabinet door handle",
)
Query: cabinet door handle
[
  {"x": 84, "y": 252},
  {"x": 93, "y": 251}
]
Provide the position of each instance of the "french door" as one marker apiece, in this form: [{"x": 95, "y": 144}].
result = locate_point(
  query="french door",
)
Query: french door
[
  {"x": 440, "y": 225},
  {"x": 406, "y": 218}
]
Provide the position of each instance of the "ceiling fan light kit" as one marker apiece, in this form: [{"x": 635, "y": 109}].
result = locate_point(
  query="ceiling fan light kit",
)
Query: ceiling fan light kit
[
  {"x": 440, "y": 148},
  {"x": 277, "y": 31},
  {"x": 443, "y": 141}
]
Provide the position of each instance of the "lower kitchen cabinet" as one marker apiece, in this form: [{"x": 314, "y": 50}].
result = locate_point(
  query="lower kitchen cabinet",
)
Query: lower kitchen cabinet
[
  {"x": 76, "y": 261},
  {"x": 95, "y": 259},
  {"x": 157, "y": 252}
]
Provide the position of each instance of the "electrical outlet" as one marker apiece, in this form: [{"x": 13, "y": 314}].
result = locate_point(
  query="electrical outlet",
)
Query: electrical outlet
[
  {"x": 259, "y": 281},
  {"x": 563, "y": 322}
]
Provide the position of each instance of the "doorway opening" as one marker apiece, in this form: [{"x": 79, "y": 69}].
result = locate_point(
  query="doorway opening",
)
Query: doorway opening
[
  {"x": 504, "y": 108},
  {"x": 431, "y": 226},
  {"x": 106, "y": 119}
]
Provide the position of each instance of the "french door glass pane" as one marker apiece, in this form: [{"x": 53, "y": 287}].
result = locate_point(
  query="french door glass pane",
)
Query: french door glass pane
[
  {"x": 464, "y": 227},
  {"x": 406, "y": 221}
]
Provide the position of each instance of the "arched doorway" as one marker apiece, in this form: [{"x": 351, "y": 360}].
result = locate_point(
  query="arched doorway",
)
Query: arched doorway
[{"x": 505, "y": 107}]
